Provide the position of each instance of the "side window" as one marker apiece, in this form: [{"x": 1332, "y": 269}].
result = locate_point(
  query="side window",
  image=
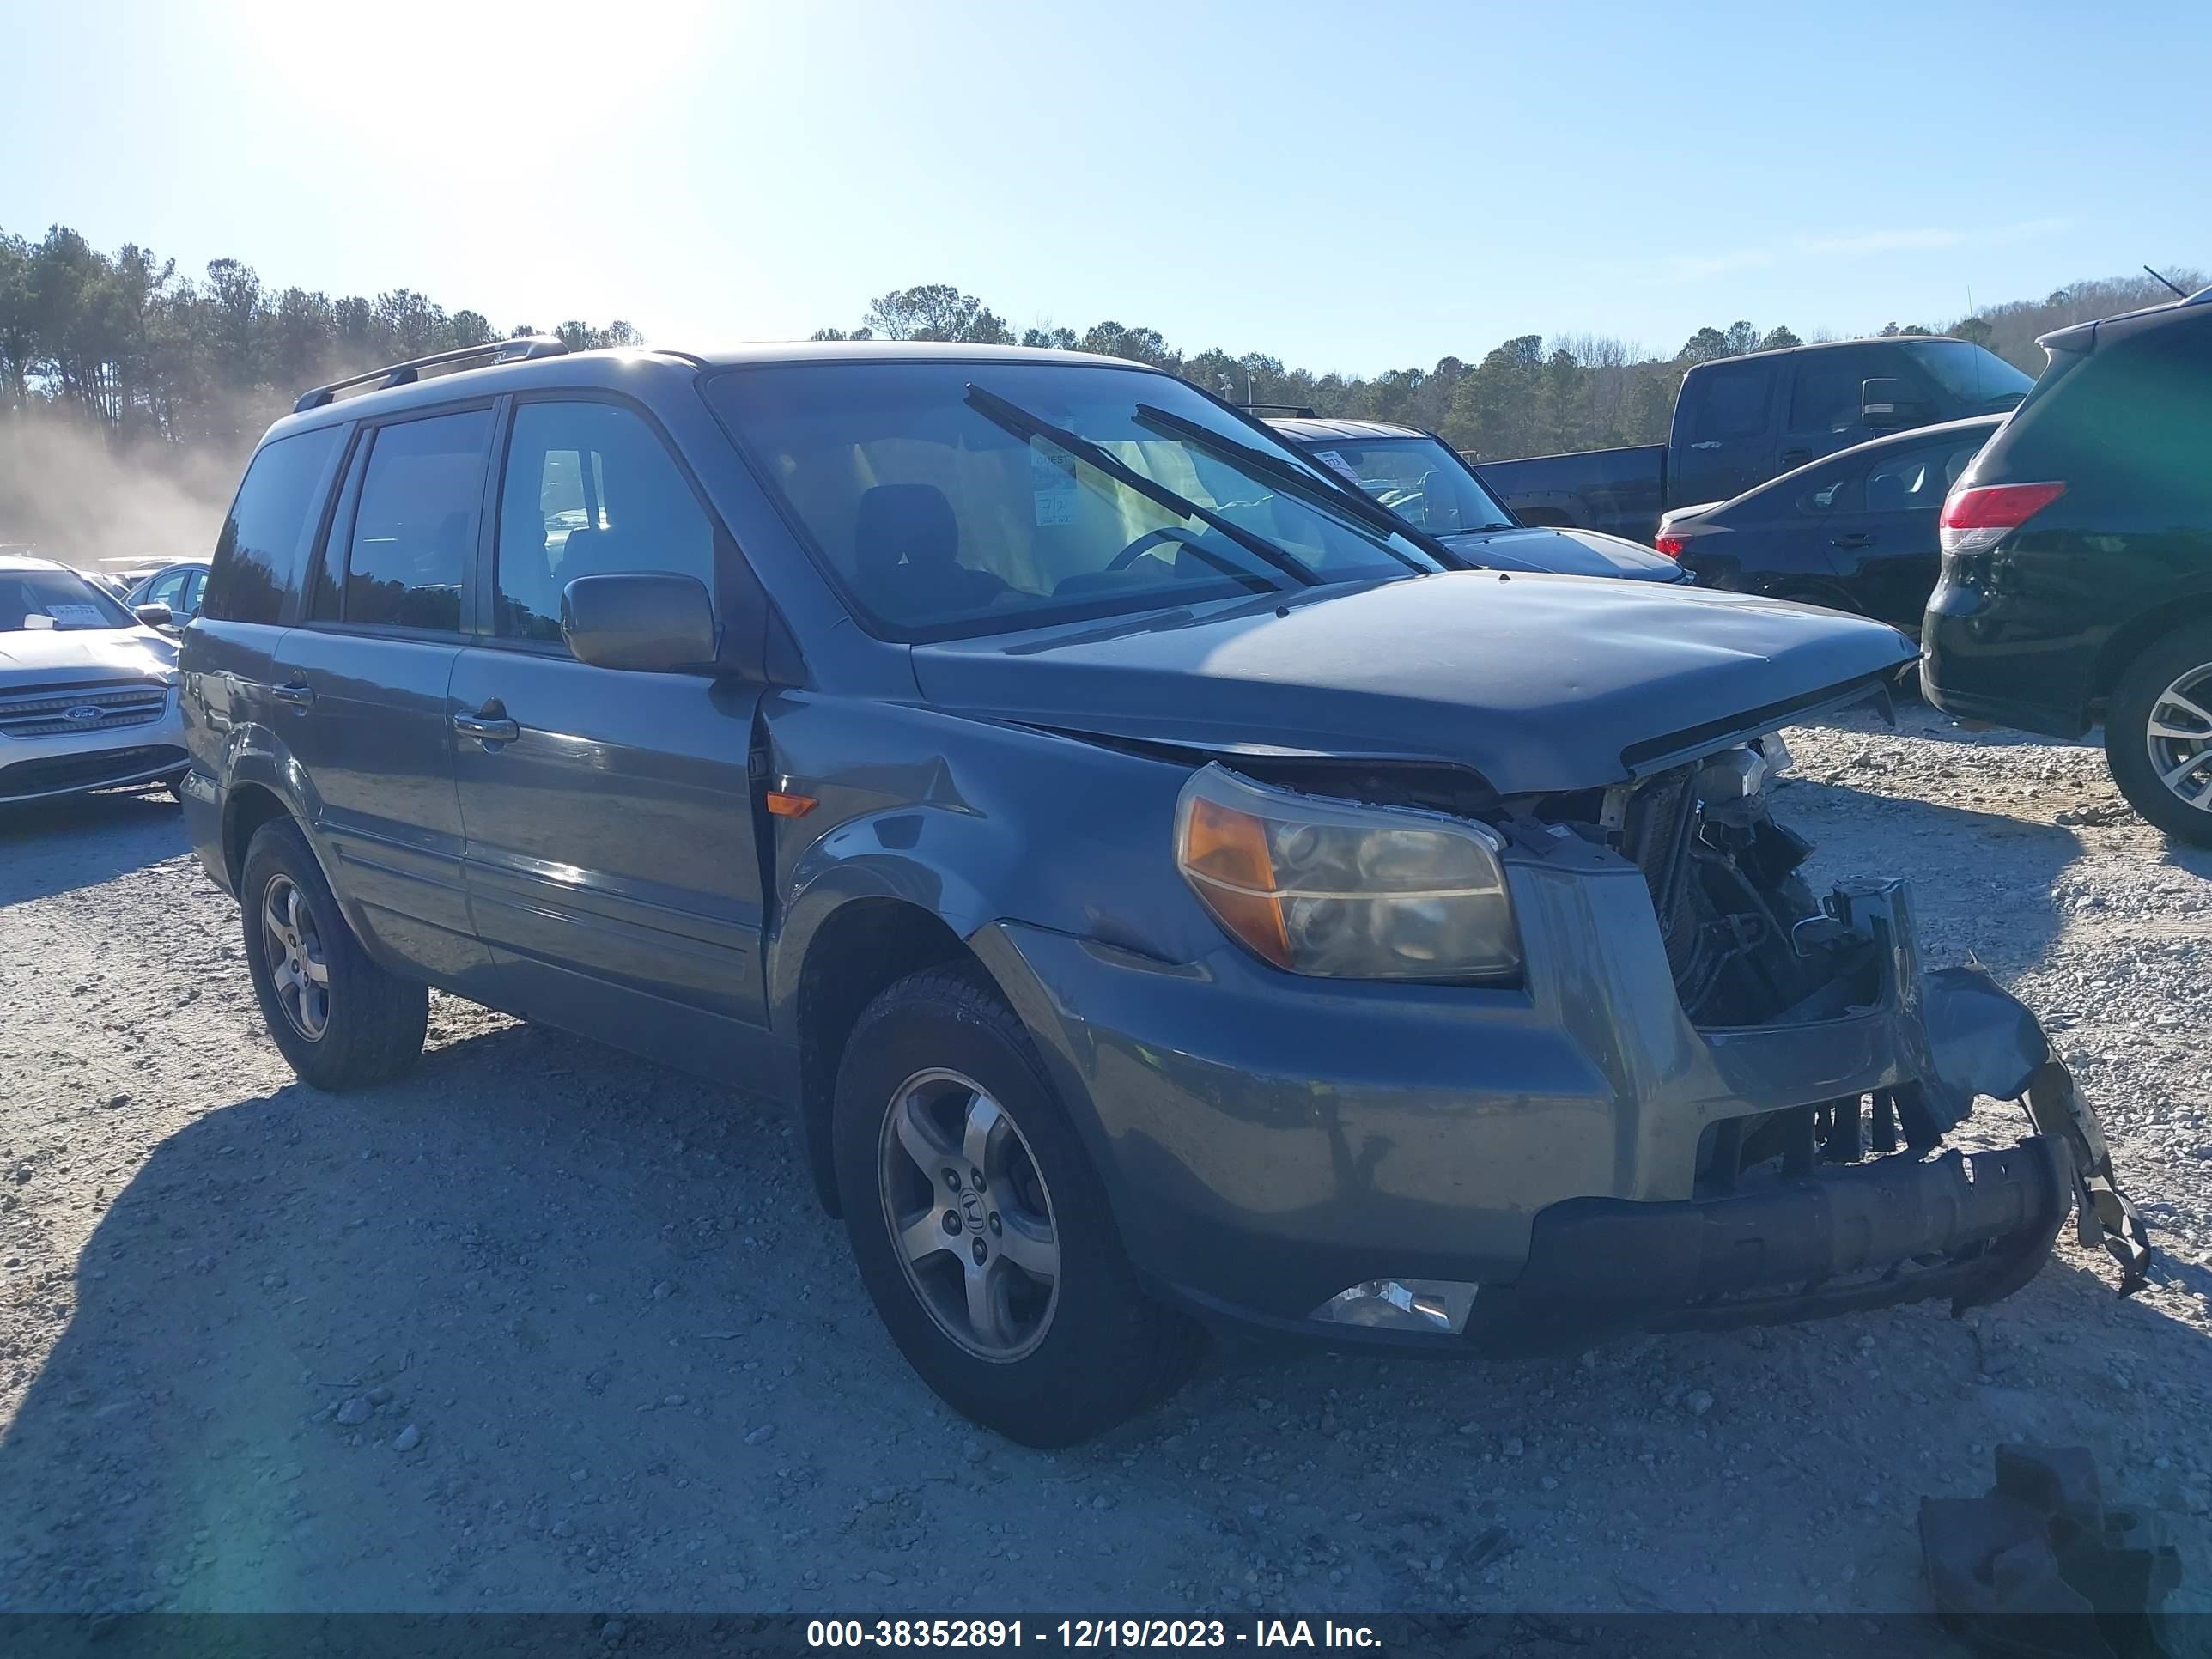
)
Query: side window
[
  {"x": 1729, "y": 401},
  {"x": 1833, "y": 489},
  {"x": 407, "y": 559},
  {"x": 195, "y": 587},
  {"x": 1826, "y": 397},
  {"x": 169, "y": 591},
  {"x": 259, "y": 547},
  {"x": 1918, "y": 477},
  {"x": 589, "y": 490}
]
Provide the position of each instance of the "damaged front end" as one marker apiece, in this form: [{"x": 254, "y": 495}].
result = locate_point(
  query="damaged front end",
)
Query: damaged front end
[{"x": 1840, "y": 1194}]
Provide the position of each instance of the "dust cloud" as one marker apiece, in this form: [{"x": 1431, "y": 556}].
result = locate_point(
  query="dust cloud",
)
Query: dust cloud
[{"x": 67, "y": 493}]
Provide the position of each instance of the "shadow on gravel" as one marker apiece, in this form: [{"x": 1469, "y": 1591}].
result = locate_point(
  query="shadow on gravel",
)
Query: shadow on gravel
[
  {"x": 538, "y": 1328},
  {"x": 80, "y": 840},
  {"x": 420, "y": 1250},
  {"x": 542, "y": 1328},
  {"x": 1984, "y": 875}
]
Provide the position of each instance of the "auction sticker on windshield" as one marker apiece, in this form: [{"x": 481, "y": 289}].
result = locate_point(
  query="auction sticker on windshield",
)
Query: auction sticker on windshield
[
  {"x": 1336, "y": 464},
  {"x": 1052, "y": 481}
]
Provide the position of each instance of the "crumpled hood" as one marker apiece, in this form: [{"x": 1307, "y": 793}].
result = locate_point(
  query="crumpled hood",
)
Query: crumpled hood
[
  {"x": 33, "y": 656},
  {"x": 1539, "y": 683},
  {"x": 1568, "y": 552}
]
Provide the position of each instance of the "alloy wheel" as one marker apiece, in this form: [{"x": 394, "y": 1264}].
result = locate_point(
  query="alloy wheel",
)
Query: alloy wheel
[
  {"x": 970, "y": 1219},
  {"x": 2179, "y": 737},
  {"x": 299, "y": 971}
]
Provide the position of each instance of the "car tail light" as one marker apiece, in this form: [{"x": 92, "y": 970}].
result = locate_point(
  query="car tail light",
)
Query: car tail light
[
  {"x": 1672, "y": 546},
  {"x": 1978, "y": 519}
]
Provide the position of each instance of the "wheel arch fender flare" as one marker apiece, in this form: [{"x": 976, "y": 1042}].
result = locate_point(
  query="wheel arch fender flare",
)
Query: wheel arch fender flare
[
  {"x": 2138, "y": 634},
  {"x": 250, "y": 768},
  {"x": 915, "y": 886}
]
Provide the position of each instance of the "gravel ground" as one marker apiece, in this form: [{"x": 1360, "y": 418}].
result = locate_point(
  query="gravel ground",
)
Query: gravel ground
[{"x": 544, "y": 1328}]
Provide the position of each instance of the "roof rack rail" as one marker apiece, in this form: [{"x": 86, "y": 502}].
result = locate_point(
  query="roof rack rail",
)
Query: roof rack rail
[
  {"x": 1296, "y": 411},
  {"x": 521, "y": 349}
]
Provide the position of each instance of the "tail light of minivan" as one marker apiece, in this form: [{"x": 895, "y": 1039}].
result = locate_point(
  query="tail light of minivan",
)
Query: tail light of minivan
[{"x": 1977, "y": 520}]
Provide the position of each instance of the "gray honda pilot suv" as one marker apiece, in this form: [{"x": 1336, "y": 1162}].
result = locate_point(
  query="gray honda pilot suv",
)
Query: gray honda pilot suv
[{"x": 1170, "y": 891}]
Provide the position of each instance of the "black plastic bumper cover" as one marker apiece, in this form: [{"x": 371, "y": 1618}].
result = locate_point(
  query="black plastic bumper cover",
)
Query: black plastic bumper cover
[{"x": 1969, "y": 1227}]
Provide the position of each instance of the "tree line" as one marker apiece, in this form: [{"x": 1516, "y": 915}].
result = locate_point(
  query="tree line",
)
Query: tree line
[
  {"x": 125, "y": 343},
  {"x": 1529, "y": 395}
]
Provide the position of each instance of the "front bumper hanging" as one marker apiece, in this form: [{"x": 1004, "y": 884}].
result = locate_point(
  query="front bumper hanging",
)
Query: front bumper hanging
[
  {"x": 1983, "y": 1041},
  {"x": 1911, "y": 1225}
]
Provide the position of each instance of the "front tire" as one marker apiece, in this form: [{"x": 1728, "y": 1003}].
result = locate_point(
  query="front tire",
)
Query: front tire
[
  {"x": 340, "y": 1020},
  {"x": 2157, "y": 734},
  {"x": 980, "y": 1230}
]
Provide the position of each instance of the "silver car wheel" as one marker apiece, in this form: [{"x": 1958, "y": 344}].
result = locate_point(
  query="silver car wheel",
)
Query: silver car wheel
[
  {"x": 299, "y": 971},
  {"x": 969, "y": 1217},
  {"x": 2179, "y": 737}
]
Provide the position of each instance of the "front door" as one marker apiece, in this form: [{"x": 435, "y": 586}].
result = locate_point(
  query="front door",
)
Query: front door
[
  {"x": 362, "y": 683},
  {"x": 611, "y": 858}
]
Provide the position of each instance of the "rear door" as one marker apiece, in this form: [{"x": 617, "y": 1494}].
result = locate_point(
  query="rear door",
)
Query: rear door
[
  {"x": 1724, "y": 430},
  {"x": 226, "y": 667},
  {"x": 363, "y": 681},
  {"x": 1889, "y": 552},
  {"x": 613, "y": 862}
]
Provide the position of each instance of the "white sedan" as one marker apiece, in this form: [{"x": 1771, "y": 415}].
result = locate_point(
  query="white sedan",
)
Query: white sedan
[{"x": 88, "y": 690}]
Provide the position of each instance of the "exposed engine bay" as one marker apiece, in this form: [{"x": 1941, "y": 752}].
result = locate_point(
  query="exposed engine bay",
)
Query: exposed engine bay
[
  {"x": 1744, "y": 936},
  {"x": 1749, "y": 945}
]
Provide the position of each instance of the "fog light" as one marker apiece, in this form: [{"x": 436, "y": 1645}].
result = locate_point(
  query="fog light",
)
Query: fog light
[{"x": 1402, "y": 1305}]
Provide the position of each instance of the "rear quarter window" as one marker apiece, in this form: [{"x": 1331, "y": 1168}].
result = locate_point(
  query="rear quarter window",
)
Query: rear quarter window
[
  {"x": 258, "y": 556},
  {"x": 2133, "y": 419}
]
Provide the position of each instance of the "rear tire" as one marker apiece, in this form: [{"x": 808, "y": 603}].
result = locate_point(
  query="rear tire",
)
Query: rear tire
[
  {"x": 340, "y": 1020},
  {"x": 2158, "y": 733},
  {"x": 937, "y": 1069}
]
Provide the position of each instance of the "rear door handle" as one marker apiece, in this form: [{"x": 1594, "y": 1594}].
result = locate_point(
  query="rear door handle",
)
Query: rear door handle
[
  {"x": 1794, "y": 457},
  {"x": 1855, "y": 538},
  {"x": 490, "y": 727},
  {"x": 296, "y": 692}
]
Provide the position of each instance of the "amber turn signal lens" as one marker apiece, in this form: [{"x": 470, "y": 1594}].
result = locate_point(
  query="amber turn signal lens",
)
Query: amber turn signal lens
[
  {"x": 1227, "y": 851},
  {"x": 785, "y": 805}
]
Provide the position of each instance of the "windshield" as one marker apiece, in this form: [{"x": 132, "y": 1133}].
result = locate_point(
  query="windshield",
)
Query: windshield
[
  {"x": 1422, "y": 480},
  {"x": 949, "y": 498},
  {"x": 1974, "y": 376},
  {"x": 35, "y": 600}
]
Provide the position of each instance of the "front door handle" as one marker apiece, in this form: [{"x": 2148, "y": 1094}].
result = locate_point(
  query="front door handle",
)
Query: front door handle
[
  {"x": 490, "y": 726},
  {"x": 1792, "y": 458},
  {"x": 1855, "y": 538},
  {"x": 297, "y": 693},
  {"x": 486, "y": 731}
]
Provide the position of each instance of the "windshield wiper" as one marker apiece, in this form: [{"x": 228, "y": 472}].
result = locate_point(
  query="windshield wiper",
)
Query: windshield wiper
[
  {"x": 1022, "y": 424},
  {"x": 1321, "y": 492}
]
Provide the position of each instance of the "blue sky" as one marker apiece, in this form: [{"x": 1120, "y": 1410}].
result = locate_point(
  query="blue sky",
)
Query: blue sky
[{"x": 1348, "y": 186}]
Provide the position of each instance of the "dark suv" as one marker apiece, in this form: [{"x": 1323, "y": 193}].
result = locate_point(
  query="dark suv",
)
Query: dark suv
[
  {"x": 1167, "y": 888},
  {"x": 2077, "y": 561}
]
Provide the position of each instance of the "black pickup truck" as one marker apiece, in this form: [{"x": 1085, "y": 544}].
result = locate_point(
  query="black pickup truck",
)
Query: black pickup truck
[{"x": 1740, "y": 421}]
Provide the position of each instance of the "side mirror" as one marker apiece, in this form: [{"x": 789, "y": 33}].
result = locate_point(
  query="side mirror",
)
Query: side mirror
[
  {"x": 156, "y": 615},
  {"x": 1883, "y": 407},
  {"x": 650, "y": 623}
]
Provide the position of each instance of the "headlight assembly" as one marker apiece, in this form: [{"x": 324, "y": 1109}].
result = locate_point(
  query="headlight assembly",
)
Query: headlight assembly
[{"x": 1341, "y": 891}]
